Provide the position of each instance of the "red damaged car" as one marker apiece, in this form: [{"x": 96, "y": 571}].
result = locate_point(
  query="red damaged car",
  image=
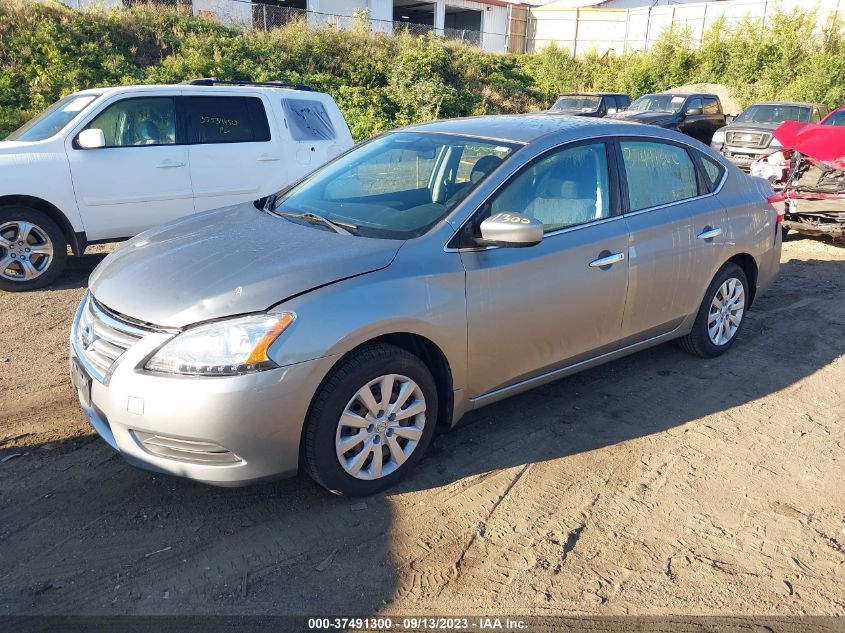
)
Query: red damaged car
[{"x": 809, "y": 174}]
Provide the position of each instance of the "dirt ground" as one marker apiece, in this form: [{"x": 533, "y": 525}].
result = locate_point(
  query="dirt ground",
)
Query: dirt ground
[{"x": 657, "y": 484}]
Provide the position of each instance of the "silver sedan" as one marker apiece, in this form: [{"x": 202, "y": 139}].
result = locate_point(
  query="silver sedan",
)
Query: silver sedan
[{"x": 428, "y": 272}]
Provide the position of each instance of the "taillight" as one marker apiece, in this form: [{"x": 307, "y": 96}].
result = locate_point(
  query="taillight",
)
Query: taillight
[{"x": 778, "y": 201}]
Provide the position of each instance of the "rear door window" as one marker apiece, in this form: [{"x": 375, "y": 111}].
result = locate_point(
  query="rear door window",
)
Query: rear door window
[
  {"x": 711, "y": 106},
  {"x": 226, "y": 120},
  {"x": 657, "y": 174},
  {"x": 308, "y": 120}
]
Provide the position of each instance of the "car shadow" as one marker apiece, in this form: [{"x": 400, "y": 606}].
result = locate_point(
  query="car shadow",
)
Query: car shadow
[
  {"x": 77, "y": 272},
  {"x": 83, "y": 532}
]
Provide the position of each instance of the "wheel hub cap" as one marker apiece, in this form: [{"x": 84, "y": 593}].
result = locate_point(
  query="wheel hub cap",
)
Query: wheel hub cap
[
  {"x": 25, "y": 251},
  {"x": 380, "y": 427},
  {"x": 726, "y": 312}
]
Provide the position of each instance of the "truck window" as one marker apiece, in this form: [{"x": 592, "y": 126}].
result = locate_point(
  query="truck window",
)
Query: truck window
[
  {"x": 227, "y": 120},
  {"x": 308, "y": 120},
  {"x": 711, "y": 106}
]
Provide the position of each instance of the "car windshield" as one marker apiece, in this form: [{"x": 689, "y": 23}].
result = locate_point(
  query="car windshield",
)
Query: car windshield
[
  {"x": 53, "y": 119},
  {"x": 580, "y": 103},
  {"x": 658, "y": 103},
  {"x": 837, "y": 118},
  {"x": 396, "y": 186},
  {"x": 774, "y": 113}
]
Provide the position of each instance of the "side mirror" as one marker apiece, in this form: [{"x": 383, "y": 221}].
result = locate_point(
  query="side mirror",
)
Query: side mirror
[
  {"x": 612, "y": 110},
  {"x": 511, "y": 229},
  {"x": 694, "y": 111},
  {"x": 91, "y": 139}
]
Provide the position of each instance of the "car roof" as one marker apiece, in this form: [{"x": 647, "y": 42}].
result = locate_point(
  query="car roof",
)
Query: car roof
[
  {"x": 592, "y": 94},
  {"x": 683, "y": 94},
  {"x": 802, "y": 104},
  {"x": 198, "y": 89},
  {"x": 527, "y": 128}
]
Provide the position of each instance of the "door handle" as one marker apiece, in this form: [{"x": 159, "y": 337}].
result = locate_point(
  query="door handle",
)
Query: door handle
[
  {"x": 267, "y": 158},
  {"x": 167, "y": 164},
  {"x": 609, "y": 260},
  {"x": 709, "y": 234}
]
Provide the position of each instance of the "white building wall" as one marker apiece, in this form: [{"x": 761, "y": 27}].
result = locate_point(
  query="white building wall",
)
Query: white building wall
[
  {"x": 619, "y": 30},
  {"x": 229, "y": 12}
]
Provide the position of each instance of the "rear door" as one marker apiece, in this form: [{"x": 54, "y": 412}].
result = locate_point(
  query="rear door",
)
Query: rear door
[
  {"x": 232, "y": 154},
  {"x": 141, "y": 177},
  {"x": 677, "y": 234}
]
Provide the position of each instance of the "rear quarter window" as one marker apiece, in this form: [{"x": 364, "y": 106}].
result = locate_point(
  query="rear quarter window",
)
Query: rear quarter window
[
  {"x": 227, "y": 120},
  {"x": 308, "y": 120},
  {"x": 713, "y": 172}
]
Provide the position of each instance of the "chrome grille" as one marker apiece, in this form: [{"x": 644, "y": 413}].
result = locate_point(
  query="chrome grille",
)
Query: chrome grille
[
  {"x": 101, "y": 338},
  {"x": 758, "y": 140}
]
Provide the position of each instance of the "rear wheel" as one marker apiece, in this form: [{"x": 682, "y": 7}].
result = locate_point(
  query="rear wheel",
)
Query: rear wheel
[
  {"x": 721, "y": 315},
  {"x": 33, "y": 249},
  {"x": 371, "y": 421}
]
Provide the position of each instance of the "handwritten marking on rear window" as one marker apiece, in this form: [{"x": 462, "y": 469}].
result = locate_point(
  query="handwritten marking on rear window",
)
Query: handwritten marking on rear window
[{"x": 220, "y": 122}]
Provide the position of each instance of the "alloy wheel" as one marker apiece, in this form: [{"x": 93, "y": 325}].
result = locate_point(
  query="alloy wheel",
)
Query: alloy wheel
[
  {"x": 726, "y": 311},
  {"x": 380, "y": 427},
  {"x": 25, "y": 251}
]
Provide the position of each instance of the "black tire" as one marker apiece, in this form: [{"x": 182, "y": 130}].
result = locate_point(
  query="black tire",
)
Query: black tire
[
  {"x": 319, "y": 456},
  {"x": 17, "y": 213},
  {"x": 698, "y": 341}
]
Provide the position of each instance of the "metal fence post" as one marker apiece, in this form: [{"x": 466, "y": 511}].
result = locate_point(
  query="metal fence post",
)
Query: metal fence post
[
  {"x": 627, "y": 27},
  {"x": 577, "y": 28},
  {"x": 264, "y": 10},
  {"x": 703, "y": 26},
  {"x": 647, "y": 29}
]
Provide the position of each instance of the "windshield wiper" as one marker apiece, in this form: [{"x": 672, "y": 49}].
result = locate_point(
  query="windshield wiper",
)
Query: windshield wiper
[{"x": 313, "y": 218}]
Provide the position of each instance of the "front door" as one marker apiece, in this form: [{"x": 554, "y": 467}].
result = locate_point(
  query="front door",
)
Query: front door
[
  {"x": 140, "y": 178},
  {"x": 677, "y": 233},
  {"x": 531, "y": 310}
]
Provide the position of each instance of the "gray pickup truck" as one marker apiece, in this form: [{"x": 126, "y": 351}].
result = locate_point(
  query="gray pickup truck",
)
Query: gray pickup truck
[{"x": 749, "y": 136}]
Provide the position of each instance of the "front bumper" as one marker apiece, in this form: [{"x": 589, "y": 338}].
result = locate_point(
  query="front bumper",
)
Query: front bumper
[
  {"x": 742, "y": 157},
  {"x": 226, "y": 431}
]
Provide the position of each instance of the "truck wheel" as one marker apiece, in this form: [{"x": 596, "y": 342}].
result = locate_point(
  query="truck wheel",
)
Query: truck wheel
[
  {"x": 721, "y": 315},
  {"x": 370, "y": 421},
  {"x": 33, "y": 249}
]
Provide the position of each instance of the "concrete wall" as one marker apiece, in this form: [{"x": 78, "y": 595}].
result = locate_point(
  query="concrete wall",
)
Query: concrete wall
[{"x": 619, "y": 29}]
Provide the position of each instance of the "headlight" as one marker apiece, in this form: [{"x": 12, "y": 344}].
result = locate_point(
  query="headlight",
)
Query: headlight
[
  {"x": 224, "y": 348},
  {"x": 719, "y": 136}
]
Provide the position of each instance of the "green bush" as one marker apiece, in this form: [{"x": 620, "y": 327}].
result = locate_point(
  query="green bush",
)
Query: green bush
[{"x": 379, "y": 82}]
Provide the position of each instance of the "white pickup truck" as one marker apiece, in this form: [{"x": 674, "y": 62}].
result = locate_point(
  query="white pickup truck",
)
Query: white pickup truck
[{"x": 105, "y": 164}]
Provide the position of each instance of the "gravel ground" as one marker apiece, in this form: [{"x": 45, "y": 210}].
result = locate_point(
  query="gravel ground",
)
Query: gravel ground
[{"x": 656, "y": 484}]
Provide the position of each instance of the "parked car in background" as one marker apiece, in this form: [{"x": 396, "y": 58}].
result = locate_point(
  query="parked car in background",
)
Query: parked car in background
[
  {"x": 105, "y": 164},
  {"x": 836, "y": 117},
  {"x": 749, "y": 136},
  {"x": 809, "y": 173},
  {"x": 697, "y": 115},
  {"x": 427, "y": 272},
  {"x": 590, "y": 104}
]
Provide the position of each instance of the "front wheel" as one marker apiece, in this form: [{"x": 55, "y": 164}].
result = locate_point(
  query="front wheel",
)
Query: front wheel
[
  {"x": 33, "y": 249},
  {"x": 371, "y": 421},
  {"x": 721, "y": 315}
]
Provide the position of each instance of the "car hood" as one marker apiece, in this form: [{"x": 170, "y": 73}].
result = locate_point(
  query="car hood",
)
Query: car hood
[
  {"x": 649, "y": 118},
  {"x": 225, "y": 262},
  {"x": 755, "y": 127}
]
